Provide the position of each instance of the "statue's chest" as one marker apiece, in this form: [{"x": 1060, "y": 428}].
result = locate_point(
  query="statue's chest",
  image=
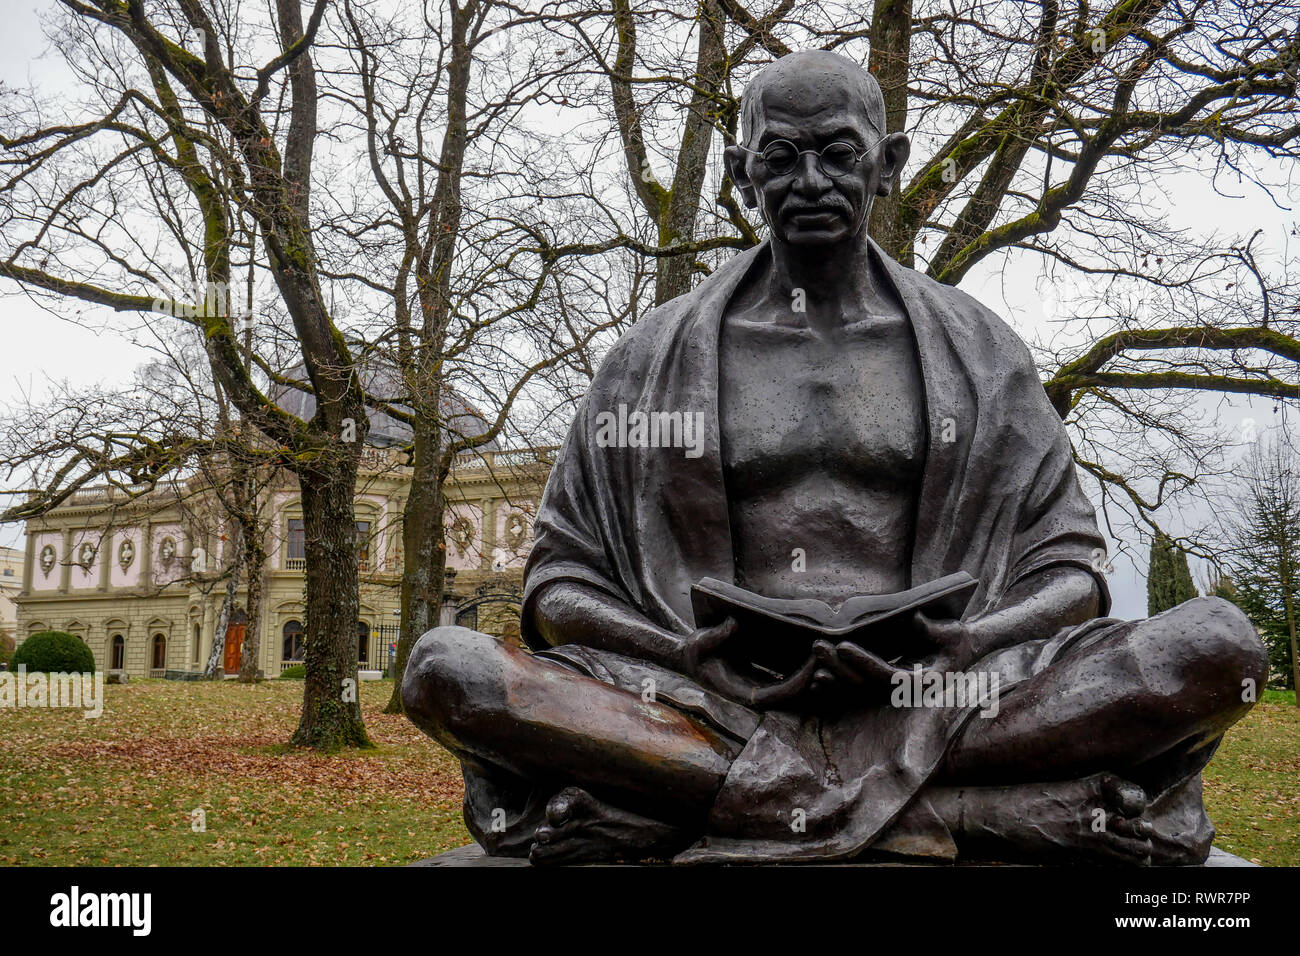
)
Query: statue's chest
[{"x": 853, "y": 402}]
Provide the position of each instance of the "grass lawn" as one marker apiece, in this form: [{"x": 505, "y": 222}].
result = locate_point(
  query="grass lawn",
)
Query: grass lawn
[
  {"x": 1252, "y": 786},
  {"x": 120, "y": 790}
]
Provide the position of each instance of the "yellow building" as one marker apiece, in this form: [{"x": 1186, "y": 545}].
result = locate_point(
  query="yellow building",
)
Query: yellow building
[
  {"x": 11, "y": 583},
  {"x": 138, "y": 578}
]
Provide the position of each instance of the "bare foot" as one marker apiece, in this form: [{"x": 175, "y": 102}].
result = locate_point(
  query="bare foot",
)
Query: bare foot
[
  {"x": 1182, "y": 832},
  {"x": 581, "y": 829},
  {"x": 1097, "y": 819}
]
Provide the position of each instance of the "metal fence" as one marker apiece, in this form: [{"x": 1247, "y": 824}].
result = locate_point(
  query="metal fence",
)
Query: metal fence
[
  {"x": 381, "y": 654},
  {"x": 380, "y": 651}
]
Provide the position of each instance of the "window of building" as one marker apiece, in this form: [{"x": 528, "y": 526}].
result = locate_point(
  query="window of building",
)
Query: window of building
[
  {"x": 159, "y": 652},
  {"x": 117, "y": 656},
  {"x": 297, "y": 540},
  {"x": 9, "y": 572},
  {"x": 198, "y": 641},
  {"x": 363, "y": 544},
  {"x": 294, "y": 641},
  {"x": 363, "y": 642}
]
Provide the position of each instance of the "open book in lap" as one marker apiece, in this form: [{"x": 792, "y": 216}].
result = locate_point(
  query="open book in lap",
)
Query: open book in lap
[{"x": 777, "y": 634}]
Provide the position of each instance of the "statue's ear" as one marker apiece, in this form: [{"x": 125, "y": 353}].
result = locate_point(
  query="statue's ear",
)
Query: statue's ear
[
  {"x": 897, "y": 147},
  {"x": 734, "y": 159}
]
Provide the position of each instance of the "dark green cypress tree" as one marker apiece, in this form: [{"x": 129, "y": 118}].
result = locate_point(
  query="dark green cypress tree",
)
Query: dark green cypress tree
[
  {"x": 1169, "y": 578},
  {"x": 1265, "y": 538}
]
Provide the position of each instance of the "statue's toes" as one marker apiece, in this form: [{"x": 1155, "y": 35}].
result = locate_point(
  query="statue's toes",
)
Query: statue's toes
[
  {"x": 562, "y": 847},
  {"x": 552, "y": 846},
  {"x": 1123, "y": 796},
  {"x": 545, "y": 853},
  {"x": 1136, "y": 827},
  {"x": 566, "y": 806}
]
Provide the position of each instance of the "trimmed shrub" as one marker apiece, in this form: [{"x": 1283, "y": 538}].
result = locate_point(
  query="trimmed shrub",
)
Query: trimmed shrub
[
  {"x": 54, "y": 652},
  {"x": 296, "y": 672}
]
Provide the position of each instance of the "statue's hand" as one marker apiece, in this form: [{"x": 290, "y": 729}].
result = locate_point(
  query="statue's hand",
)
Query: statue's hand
[
  {"x": 702, "y": 644},
  {"x": 701, "y": 662},
  {"x": 846, "y": 673}
]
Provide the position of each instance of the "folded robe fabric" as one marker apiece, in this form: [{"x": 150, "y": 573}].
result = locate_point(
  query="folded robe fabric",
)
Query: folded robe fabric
[{"x": 999, "y": 499}]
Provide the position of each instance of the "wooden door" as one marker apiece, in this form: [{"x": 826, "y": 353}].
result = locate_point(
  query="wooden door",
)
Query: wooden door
[{"x": 234, "y": 646}]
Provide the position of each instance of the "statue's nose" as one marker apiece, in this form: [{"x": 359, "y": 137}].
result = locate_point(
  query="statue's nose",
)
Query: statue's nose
[{"x": 809, "y": 179}]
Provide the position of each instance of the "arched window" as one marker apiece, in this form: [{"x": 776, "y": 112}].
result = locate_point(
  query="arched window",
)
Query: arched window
[
  {"x": 296, "y": 551},
  {"x": 363, "y": 642},
  {"x": 294, "y": 641},
  {"x": 468, "y": 618},
  {"x": 159, "y": 652},
  {"x": 198, "y": 640},
  {"x": 363, "y": 546},
  {"x": 117, "y": 653}
]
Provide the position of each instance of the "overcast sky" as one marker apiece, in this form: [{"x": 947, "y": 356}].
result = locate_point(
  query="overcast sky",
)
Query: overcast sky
[{"x": 39, "y": 347}]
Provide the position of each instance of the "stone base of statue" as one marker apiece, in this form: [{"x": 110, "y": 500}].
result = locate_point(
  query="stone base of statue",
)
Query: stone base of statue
[{"x": 473, "y": 855}]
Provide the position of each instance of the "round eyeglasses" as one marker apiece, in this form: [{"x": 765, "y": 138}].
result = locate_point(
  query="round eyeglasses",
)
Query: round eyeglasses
[{"x": 835, "y": 160}]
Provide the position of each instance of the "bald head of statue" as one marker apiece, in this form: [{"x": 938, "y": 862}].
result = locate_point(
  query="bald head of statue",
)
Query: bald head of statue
[{"x": 797, "y": 115}]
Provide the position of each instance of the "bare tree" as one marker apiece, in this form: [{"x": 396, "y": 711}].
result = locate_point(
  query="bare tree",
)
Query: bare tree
[
  {"x": 1038, "y": 128},
  {"x": 165, "y": 442},
  {"x": 1041, "y": 128},
  {"x": 174, "y": 91},
  {"x": 459, "y": 246}
]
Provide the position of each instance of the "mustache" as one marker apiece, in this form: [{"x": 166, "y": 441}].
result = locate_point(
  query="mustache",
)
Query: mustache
[{"x": 790, "y": 209}]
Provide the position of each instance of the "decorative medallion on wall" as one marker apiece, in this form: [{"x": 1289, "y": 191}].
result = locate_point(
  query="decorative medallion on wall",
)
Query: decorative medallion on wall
[
  {"x": 86, "y": 555},
  {"x": 516, "y": 531},
  {"x": 48, "y": 558},
  {"x": 125, "y": 554},
  {"x": 461, "y": 533},
  {"x": 167, "y": 553}
]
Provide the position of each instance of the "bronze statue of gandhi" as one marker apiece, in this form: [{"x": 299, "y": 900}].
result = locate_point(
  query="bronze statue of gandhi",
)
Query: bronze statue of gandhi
[{"x": 867, "y": 430}]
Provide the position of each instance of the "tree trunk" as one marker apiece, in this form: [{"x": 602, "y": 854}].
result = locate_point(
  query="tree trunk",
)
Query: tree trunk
[
  {"x": 255, "y": 569},
  {"x": 677, "y": 222},
  {"x": 424, "y": 553},
  {"x": 891, "y": 46},
  {"x": 424, "y": 549},
  {"x": 216, "y": 669},
  {"x": 331, "y": 707}
]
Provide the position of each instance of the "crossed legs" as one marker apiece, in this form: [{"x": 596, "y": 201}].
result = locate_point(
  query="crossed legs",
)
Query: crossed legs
[{"x": 1121, "y": 727}]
